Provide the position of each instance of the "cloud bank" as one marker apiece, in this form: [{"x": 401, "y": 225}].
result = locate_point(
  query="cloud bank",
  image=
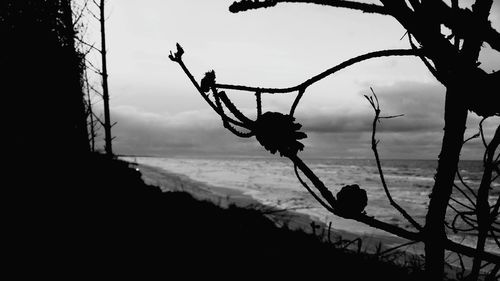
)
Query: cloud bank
[{"x": 331, "y": 133}]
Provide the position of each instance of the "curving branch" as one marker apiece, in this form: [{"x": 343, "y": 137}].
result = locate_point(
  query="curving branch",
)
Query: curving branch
[
  {"x": 320, "y": 186},
  {"x": 177, "y": 57},
  {"x": 225, "y": 123},
  {"x": 306, "y": 186},
  {"x": 368, "y": 220},
  {"x": 296, "y": 101},
  {"x": 245, "y": 5},
  {"x": 483, "y": 215},
  {"x": 290, "y": 151},
  {"x": 326, "y": 73}
]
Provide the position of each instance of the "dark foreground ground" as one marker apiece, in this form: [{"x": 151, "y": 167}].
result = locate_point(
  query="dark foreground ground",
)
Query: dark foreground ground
[{"x": 104, "y": 221}]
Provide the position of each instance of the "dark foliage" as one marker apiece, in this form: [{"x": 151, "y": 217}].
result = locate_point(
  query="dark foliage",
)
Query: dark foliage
[
  {"x": 245, "y": 5},
  {"x": 120, "y": 227},
  {"x": 41, "y": 79}
]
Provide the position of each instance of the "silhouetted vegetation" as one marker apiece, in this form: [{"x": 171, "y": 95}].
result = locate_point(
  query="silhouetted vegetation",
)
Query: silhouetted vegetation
[
  {"x": 120, "y": 226},
  {"x": 453, "y": 60},
  {"x": 42, "y": 78}
]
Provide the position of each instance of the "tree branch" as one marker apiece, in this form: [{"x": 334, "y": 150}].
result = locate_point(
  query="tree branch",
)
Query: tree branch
[
  {"x": 91, "y": 46},
  {"x": 245, "y": 5},
  {"x": 326, "y": 73},
  {"x": 296, "y": 101},
  {"x": 376, "y": 107},
  {"x": 483, "y": 207},
  {"x": 177, "y": 57}
]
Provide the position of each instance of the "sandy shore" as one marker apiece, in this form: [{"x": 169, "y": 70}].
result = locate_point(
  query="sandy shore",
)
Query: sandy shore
[{"x": 224, "y": 196}]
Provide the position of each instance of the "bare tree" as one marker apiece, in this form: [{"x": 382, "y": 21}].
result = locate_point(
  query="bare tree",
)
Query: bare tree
[
  {"x": 103, "y": 70},
  {"x": 452, "y": 59},
  {"x": 81, "y": 12},
  {"x": 105, "y": 90}
]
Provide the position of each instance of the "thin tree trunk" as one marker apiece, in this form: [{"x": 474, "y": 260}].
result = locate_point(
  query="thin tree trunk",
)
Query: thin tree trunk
[
  {"x": 105, "y": 92},
  {"x": 483, "y": 207},
  {"x": 455, "y": 117},
  {"x": 91, "y": 115}
]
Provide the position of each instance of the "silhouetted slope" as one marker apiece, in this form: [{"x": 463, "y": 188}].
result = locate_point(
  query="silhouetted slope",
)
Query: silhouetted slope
[
  {"x": 95, "y": 217},
  {"x": 115, "y": 225}
]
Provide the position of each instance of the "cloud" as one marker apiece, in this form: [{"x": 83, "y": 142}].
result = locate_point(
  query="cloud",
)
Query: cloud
[
  {"x": 331, "y": 133},
  {"x": 421, "y": 103},
  {"x": 189, "y": 132}
]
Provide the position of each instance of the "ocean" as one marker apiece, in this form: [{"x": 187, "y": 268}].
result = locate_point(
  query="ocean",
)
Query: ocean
[{"x": 272, "y": 182}]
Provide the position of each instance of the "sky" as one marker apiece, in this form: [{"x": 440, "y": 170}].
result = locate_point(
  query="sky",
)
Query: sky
[{"x": 159, "y": 112}]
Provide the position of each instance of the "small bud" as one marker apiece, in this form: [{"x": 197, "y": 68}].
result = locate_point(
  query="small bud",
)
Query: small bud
[
  {"x": 177, "y": 56},
  {"x": 208, "y": 81},
  {"x": 180, "y": 51}
]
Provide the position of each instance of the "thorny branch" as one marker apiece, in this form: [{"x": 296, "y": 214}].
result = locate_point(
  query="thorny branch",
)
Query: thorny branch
[{"x": 483, "y": 215}]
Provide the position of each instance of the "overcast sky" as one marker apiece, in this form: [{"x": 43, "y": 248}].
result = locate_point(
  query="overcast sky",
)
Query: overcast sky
[{"x": 160, "y": 113}]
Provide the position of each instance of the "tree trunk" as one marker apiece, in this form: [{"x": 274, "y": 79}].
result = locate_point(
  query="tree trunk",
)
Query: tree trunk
[
  {"x": 105, "y": 92},
  {"x": 455, "y": 117}
]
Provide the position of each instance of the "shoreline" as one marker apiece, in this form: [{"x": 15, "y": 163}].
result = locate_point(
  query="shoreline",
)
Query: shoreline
[{"x": 225, "y": 196}]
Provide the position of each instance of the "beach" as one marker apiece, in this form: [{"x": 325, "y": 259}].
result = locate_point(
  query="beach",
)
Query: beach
[
  {"x": 270, "y": 184},
  {"x": 224, "y": 197}
]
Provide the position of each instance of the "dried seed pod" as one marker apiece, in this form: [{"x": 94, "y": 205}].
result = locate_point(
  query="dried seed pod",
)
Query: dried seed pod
[
  {"x": 278, "y": 132},
  {"x": 351, "y": 200}
]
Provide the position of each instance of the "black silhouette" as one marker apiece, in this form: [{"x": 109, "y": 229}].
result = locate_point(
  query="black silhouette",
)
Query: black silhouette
[
  {"x": 42, "y": 77},
  {"x": 452, "y": 60},
  {"x": 105, "y": 91}
]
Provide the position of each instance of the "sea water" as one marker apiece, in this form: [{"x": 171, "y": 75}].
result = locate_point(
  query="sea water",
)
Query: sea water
[{"x": 272, "y": 181}]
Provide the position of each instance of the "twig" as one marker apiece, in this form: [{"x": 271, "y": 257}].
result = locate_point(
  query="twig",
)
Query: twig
[
  {"x": 296, "y": 101},
  {"x": 304, "y": 184},
  {"x": 466, "y": 185},
  {"x": 245, "y": 5},
  {"x": 325, "y": 193},
  {"x": 495, "y": 238},
  {"x": 77, "y": 18},
  {"x": 461, "y": 204},
  {"x": 463, "y": 216},
  {"x": 357, "y": 240},
  {"x": 492, "y": 275},
  {"x": 320, "y": 186},
  {"x": 226, "y": 124},
  {"x": 91, "y": 46},
  {"x": 376, "y": 107},
  {"x": 326, "y": 73},
  {"x": 397, "y": 247},
  {"x": 483, "y": 215},
  {"x": 426, "y": 62},
  {"x": 258, "y": 98},
  {"x": 178, "y": 58}
]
